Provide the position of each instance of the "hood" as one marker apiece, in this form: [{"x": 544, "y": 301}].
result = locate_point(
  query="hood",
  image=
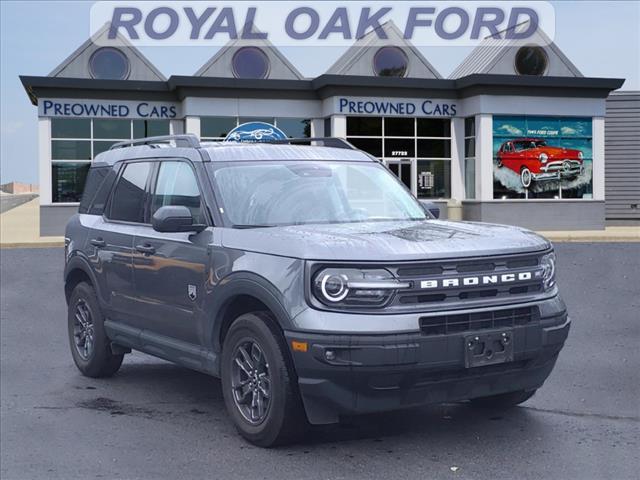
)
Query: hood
[
  {"x": 386, "y": 241},
  {"x": 559, "y": 150}
]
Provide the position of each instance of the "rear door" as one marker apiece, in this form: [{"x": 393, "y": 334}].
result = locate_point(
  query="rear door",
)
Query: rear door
[
  {"x": 112, "y": 235},
  {"x": 170, "y": 269}
]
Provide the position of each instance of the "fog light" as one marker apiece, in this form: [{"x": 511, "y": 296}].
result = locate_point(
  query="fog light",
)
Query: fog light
[{"x": 330, "y": 355}]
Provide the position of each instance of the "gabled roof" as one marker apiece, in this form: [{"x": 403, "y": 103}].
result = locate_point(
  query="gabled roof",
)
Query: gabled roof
[
  {"x": 220, "y": 64},
  {"x": 358, "y": 59},
  {"x": 76, "y": 65},
  {"x": 497, "y": 56}
]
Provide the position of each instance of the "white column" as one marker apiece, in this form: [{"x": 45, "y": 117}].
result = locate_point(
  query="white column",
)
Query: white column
[
  {"x": 339, "y": 126},
  {"x": 317, "y": 127},
  {"x": 44, "y": 160},
  {"x": 192, "y": 125},
  {"x": 598, "y": 158},
  {"x": 484, "y": 157},
  {"x": 457, "y": 159},
  {"x": 176, "y": 127}
]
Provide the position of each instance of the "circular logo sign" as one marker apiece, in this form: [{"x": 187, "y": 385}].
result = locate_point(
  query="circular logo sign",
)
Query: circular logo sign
[{"x": 255, "y": 132}]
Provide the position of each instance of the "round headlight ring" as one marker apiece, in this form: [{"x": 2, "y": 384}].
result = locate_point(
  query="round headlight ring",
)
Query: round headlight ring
[
  {"x": 548, "y": 263},
  {"x": 543, "y": 157},
  {"x": 334, "y": 287}
]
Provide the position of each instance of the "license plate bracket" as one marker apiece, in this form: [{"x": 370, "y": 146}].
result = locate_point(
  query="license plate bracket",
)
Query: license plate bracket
[{"x": 488, "y": 348}]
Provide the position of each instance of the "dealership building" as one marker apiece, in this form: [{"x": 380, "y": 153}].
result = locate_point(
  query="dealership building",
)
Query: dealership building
[{"x": 515, "y": 135}]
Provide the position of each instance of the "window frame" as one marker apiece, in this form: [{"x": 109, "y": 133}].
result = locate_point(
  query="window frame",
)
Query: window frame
[
  {"x": 205, "y": 213},
  {"x": 109, "y": 206}
]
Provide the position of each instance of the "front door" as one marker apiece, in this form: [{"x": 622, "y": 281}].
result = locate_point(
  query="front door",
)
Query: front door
[
  {"x": 111, "y": 239},
  {"x": 170, "y": 269},
  {"x": 403, "y": 169}
]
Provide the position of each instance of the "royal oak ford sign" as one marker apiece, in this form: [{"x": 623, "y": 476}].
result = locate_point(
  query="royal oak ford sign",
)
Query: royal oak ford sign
[{"x": 108, "y": 109}]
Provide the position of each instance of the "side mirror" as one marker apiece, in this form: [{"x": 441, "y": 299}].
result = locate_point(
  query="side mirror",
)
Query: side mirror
[
  {"x": 174, "y": 218},
  {"x": 430, "y": 208}
]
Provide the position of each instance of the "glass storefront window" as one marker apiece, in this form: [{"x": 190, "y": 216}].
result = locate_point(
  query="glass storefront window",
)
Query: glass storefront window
[
  {"x": 405, "y": 144},
  {"x": 71, "y": 150},
  {"x": 295, "y": 127},
  {"x": 217, "y": 127},
  {"x": 71, "y": 128},
  {"x": 434, "y": 179},
  {"x": 67, "y": 181},
  {"x": 399, "y": 127},
  {"x": 270, "y": 120},
  {"x": 369, "y": 145},
  {"x": 364, "y": 126},
  {"x": 542, "y": 157},
  {"x": 434, "y": 127},
  {"x": 428, "y": 148},
  {"x": 399, "y": 147},
  {"x": 150, "y": 128},
  {"x": 111, "y": 128},
  {"x": 82, "y": 139}
]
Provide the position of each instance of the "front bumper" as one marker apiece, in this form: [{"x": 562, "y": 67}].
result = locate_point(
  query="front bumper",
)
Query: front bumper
[
  {"x": 559, "y": 168},
  {"x": 373, "y": 373}
]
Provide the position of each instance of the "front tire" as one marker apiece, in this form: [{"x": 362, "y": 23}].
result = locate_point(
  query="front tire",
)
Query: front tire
[
  {"x": 504, "y": 400},
  {"x": 525, "y": 177},
  {"x": 90, "y": 346},
  {"x": 258, "y": 383}
]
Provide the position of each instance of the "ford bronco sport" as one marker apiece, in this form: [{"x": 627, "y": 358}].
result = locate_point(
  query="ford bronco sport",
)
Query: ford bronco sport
[{"x": 308, "y": 279}]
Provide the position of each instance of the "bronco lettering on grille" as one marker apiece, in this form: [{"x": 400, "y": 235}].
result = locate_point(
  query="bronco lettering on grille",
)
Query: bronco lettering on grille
[{"x": 478, "y": 280}]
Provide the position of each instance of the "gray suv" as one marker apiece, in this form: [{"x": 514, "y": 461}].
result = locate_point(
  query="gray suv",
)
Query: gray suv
[{"x": 308, "y": 279}]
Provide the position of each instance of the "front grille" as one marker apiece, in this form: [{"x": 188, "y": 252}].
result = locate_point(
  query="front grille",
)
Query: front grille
[
  {"x": 481, "y": 267},
  {"x": 464, "y": 322}
]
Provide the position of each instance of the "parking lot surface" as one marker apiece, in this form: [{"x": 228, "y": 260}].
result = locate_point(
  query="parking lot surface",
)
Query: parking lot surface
[{"x": 156, "y": 420}]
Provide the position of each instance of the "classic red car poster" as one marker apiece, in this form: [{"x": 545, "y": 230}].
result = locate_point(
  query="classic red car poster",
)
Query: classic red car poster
[{"x": 542, "y": 157}]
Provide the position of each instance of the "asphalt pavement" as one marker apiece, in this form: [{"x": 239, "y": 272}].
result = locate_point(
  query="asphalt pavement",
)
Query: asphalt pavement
[{"x": 155, "y": 420}]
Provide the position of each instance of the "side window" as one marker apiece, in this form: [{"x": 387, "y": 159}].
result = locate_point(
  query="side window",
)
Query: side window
[
  {"x": 127, "y": 200},
  {"x": 177, "y": 185}
]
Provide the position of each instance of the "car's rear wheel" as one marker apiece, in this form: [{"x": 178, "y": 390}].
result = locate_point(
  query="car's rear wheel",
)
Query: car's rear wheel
[
  {"x": 525, "y": 177},
  {"x": 90, "y": 346},
  {"x": 259, "y": 384},
  {"x": 504, "y": 400}
]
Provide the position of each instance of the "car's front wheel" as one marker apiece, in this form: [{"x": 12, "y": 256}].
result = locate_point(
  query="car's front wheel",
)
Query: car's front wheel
[
  {"x": 504, "y": 400},
  {"x": 258, "y": 383},
  {"x": 90, "y": 346},
  {"x": 525, "y": 177}
]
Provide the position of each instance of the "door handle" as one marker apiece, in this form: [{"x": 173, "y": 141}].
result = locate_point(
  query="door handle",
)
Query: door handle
[
  {"x": 147, "y": 249},
  {"x": 98, "y": 242}
]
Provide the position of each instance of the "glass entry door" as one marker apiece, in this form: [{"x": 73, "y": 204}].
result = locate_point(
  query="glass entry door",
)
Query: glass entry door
[{"x": 404, "y": 170}]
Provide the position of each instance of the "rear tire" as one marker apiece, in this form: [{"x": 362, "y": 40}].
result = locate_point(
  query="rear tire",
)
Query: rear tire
[
  {"x": 255, "y": 362},
  {"x": 90, "y": 346},
  {"x": 504, "y": 400}
]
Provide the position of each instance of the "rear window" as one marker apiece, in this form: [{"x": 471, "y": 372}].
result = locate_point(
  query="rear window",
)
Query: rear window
[
  {"x": 96, "y": 190},
  {"x": 128, "y": 198}
]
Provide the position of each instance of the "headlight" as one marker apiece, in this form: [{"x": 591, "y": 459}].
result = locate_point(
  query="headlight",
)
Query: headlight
[
  {"x": 548, "y": 264},
  {"x": 354, "y": 287},
  {"x": 543, "y": 157},
  {"x": 580, "y": 155}
]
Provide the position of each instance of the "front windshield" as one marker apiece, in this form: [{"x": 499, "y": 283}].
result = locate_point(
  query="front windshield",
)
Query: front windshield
[
  {"x": 527, "y": 144},
  {"x": 258, "y": 194}
]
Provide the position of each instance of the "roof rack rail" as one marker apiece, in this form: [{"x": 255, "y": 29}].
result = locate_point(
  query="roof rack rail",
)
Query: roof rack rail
[
  {"x": 188, "y": 140},
  {"x": 334, "y": 142}
]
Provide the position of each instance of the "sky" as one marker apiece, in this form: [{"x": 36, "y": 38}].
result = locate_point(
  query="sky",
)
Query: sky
[{"x": 601, "y": 38}]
